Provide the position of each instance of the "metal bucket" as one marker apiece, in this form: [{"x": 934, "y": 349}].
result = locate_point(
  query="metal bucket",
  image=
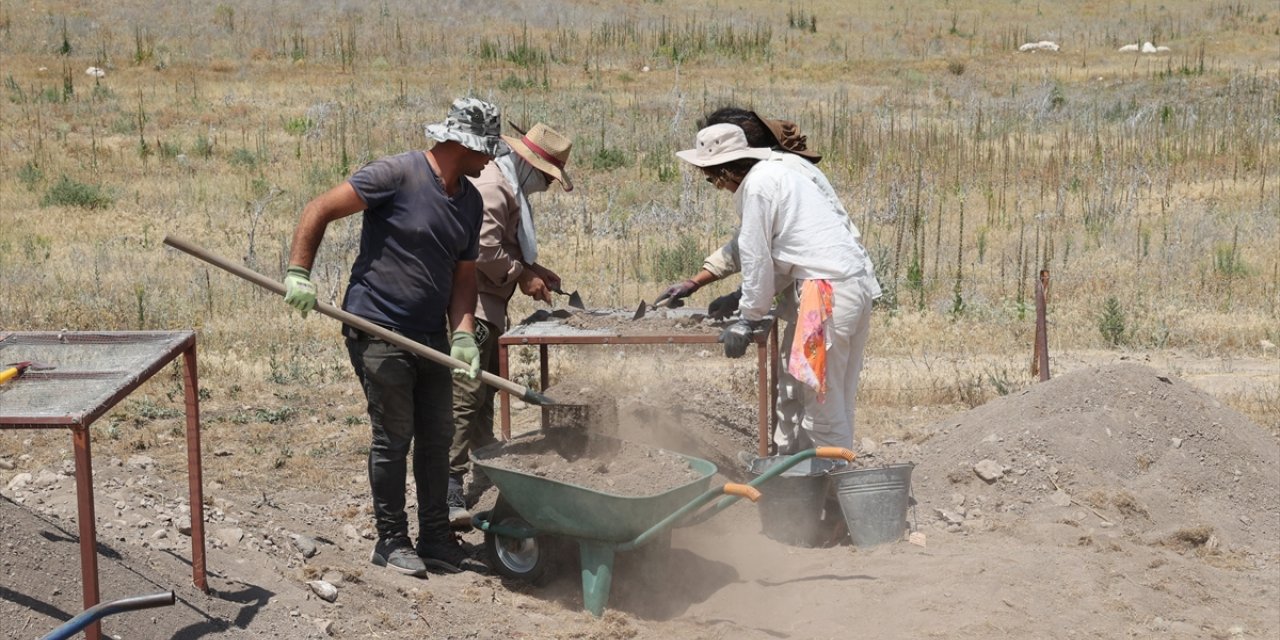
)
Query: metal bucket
[
  {"x": 874, "y": 502},
  {"x": 791, "y": 505}
]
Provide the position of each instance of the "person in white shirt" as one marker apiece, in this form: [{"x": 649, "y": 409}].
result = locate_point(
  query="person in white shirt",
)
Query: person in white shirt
[{"x": 796, "y": 240}]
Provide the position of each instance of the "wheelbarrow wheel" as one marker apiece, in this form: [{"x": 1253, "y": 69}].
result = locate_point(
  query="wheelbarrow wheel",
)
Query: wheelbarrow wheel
[{"x": 525, "y": 559}]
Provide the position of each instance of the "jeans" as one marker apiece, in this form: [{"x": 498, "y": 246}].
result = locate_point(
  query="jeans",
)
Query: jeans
[
  {"x": 473, "y": 408},
  {"x": 409, "y": 405}
]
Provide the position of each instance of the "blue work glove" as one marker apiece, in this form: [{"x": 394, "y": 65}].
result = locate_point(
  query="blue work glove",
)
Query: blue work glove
[
  {"x": 675, "y": 293},
  {"x": 300, "y": 291},
  {"x": 464, "y": 348},
  {"x": 724, "y": 306},
  {"x": 738, "y": 336}
]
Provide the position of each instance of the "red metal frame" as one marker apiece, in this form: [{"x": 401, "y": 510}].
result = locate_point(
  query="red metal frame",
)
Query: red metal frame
[
  {"x": 766, "y": 351},
  {"x": 184, "y": 345}
]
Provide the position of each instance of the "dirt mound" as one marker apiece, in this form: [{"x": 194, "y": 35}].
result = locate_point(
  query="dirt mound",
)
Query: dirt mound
[{"x": 1121, "y": 445}]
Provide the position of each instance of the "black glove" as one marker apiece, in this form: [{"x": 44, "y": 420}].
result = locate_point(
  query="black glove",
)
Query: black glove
[
  {"x": 738, "y": 336},
  {"x": 675, "y": 292},
  {"x": 724, "y": 306}
]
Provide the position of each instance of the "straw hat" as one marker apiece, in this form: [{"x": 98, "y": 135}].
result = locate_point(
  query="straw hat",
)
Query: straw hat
[
  {"x": 721, "y": 143},
  {"x": 473, "y": 124},
  {"x": 544, "y": 148}
]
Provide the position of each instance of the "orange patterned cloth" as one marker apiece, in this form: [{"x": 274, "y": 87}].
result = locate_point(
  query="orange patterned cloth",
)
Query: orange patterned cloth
[{"x": 808, "y": 361}]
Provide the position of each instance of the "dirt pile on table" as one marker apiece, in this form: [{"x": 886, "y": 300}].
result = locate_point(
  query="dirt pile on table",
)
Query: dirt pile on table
[{"x": 1120, "y": 446}]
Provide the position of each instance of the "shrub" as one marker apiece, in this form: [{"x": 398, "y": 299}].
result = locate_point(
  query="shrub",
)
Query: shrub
[
  {"x": 1112, "y": 322},
  {"x": 677, "y": 261},
  {"x": 69, "y": 193},
  {"x": 29, "y": 174}
]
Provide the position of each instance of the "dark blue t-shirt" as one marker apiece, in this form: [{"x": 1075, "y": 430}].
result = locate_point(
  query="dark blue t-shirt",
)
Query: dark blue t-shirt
[{"x": 412, "y": 236}]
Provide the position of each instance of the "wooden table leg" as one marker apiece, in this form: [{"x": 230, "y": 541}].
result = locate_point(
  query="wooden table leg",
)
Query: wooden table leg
[
  {"x": 505, "y": 373},
  {"x": 762, "y": 389},
  {"x": 195, "y": 474},
  {"x": 88, "y": 530}
]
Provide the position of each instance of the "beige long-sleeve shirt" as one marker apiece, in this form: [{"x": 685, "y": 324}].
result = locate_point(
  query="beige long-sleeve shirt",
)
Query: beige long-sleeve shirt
[{"x": 501, "y": 261}]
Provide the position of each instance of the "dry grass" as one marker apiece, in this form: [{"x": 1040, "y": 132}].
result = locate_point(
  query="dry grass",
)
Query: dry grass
[{"x": 1148, "y": 178}]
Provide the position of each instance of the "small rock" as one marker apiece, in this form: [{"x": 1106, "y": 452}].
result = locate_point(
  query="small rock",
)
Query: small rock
[
  {"x": 6, "y": 464},
  {"x": 144, "y": 462},
  {"x": 304, "y": 545},
  {"x": 184, "y": 528},
  {"x": 948, "y": 516},
  {"x": 1060, "y": 499},
  {"x": 19, "y": 482},
  {"x": 868, "y": 447},
  {"x": 1246, "y": 520},
  {"x": 334, "y": 578},
  {"x": 350, "y": 531},
  {"x": 989, "y": 470},
  {"x": 325, "y": 626},
  {"x": 160, "y": 534},
  {"x": 954, "y": 528},
  {"x": 1177, "y": 442},
  {"x": 231, "y": 535},
  {"x": 324, "y": 590}
]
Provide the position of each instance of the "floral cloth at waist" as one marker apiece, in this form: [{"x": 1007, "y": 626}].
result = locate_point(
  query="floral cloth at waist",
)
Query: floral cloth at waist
[{"x": 808, "y": 361}]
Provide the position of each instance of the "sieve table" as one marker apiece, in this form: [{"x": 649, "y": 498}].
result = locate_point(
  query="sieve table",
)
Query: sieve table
[
  {"x": 78, "y": 377},
  {"x": 545, "y": 329}
]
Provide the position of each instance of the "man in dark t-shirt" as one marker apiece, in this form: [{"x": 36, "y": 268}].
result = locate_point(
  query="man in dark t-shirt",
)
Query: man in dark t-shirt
[{"x": 415, "y": 271}]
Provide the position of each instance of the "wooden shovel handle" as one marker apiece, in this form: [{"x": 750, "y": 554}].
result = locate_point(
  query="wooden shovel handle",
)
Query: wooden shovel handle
[{"x": 525, "y": 393}]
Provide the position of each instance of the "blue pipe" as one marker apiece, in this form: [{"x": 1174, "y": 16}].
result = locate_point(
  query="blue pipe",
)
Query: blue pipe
[{"x": 99, "y": 611}]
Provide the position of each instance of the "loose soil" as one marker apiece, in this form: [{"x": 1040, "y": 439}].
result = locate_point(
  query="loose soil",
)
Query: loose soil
[
  {"x": 1118, "y": 501},
  {"x": 598, "y": 463}
]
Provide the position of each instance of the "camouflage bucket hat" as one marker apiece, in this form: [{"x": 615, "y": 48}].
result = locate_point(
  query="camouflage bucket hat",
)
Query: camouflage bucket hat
[{"x": 473, "y": 124}]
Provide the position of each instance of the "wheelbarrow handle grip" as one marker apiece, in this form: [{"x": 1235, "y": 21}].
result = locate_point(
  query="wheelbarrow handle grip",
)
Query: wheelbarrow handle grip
[
  {"x": 839, "y": 453},
  {"x": 742, "y": 491}
]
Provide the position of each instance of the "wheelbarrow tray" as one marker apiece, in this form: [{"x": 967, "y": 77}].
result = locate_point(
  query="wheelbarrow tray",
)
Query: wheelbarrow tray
[{"x": 565, "y": 509}]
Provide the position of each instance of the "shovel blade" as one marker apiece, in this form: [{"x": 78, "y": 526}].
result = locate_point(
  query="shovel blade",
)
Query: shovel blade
[
  {"x": 640, "y": 311},
  {"x": 575, "y": 301}
]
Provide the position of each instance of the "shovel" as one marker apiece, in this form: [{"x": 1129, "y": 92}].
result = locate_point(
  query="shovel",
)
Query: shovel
[
  {"x": 524, "y": 393},
  {"x": 575, "y": 300}
]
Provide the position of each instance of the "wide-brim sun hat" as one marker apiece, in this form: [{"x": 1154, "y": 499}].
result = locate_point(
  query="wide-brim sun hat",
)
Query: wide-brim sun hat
[
  {"x": 474, "y": 124},
  {"x": 789, "y": 137},
  {"x": 721, "y": 143},
  {"x": 544, "y": 148}
]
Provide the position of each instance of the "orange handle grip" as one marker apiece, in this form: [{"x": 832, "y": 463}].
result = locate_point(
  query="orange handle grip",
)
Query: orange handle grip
[
  {"x": 742, "y": 491},
  {"x": 836, "y": 452}
]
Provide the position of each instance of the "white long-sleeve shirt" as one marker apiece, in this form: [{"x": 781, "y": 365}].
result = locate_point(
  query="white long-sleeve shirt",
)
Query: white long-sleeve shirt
[{"x": 792, "y": 228}]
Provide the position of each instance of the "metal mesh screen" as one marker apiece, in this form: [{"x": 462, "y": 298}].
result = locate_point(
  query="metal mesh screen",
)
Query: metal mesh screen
[{"x": 77, "y": 373}]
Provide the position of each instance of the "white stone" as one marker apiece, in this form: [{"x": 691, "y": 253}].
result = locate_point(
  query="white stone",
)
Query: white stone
[
  {"x": 989, "y": 470},
  {"x": 19, "y": 482},
  {"x": 324, "y": 590}
]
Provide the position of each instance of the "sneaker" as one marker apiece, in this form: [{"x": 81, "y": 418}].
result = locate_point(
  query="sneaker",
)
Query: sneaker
[
  {"x": 459, "y": 516},
  {"x": 396, "y": 553},
  {"x": 449, "y": 556}
]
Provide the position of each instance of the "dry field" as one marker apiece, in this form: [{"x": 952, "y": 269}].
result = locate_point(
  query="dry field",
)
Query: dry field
[{"x": 1148, "y": 185}]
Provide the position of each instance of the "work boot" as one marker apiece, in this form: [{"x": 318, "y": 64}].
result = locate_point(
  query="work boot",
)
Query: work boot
[
  {"x": 448, "y": 555},
  {"x": 475, "y": 489},
  {"x": 459, "y": 517},
  {"x": 397, "y": 553}
]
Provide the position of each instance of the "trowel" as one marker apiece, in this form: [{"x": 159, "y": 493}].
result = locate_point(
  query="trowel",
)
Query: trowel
[
  {"x": 575, "y": 300},
  {"x": 645, "y": 307}
]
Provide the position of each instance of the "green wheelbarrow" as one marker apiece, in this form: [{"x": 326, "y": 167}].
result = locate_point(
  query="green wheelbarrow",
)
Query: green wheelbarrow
[{"x": 533, "y": 514}]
